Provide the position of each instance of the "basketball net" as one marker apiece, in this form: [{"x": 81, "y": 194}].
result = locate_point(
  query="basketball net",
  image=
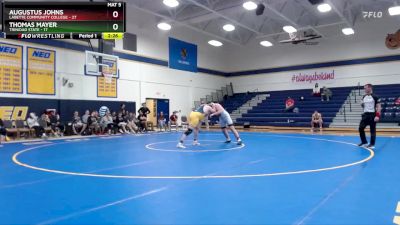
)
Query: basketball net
[{"x": 108, "y": 77}]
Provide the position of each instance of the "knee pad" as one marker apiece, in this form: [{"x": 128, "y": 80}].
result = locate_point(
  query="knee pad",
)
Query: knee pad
[
  {"x": 223, "y": 128},
  {"x": 188, "y": 132}
]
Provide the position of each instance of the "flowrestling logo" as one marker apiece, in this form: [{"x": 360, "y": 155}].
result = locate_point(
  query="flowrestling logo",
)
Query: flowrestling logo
[
  {"x": 312, "y": 78},
  {"x": 372, "y": 14}
]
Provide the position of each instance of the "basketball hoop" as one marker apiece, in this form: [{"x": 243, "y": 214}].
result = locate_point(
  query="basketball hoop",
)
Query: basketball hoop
[{"x": 108, "y": 77}]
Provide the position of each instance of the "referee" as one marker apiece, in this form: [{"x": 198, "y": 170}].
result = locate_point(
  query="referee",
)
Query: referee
[{"x": 371, "y": 115}]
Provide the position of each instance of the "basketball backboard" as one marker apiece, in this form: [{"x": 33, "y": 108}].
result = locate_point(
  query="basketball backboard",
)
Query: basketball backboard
[{"x": 96, "y": 64}]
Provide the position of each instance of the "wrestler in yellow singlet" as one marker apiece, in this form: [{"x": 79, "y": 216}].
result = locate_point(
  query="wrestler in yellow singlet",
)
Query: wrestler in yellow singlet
[{"x": 195, "y": 119}]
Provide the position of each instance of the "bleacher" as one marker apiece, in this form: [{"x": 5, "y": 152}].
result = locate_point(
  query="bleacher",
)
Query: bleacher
[
  {"x": 270, "y": 112},
  {"x": 236, "y": 100},
  {"x": 388, "y": 95}
]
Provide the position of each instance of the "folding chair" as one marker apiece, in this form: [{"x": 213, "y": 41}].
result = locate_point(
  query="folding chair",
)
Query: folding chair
[
  {"x": 184, "y": 122},
  {"x": 8, "y": 124},
  {"x": 22, "y": 128}
]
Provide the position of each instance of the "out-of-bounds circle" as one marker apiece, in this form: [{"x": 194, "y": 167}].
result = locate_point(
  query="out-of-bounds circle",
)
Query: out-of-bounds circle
[
  {"x": 369, "y": 157},
  {"x": 190, "y": 148}
]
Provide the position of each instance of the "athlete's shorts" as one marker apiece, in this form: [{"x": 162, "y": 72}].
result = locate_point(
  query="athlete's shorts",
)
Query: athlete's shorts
[
  {"x": 195, "y": 118},
  {"x": 225, "y": 119}
]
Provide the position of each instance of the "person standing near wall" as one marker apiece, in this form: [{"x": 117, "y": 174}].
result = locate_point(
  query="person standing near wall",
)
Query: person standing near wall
[
  {"x": 371, "y": 115},
  {"x": 144, "y": 110}
]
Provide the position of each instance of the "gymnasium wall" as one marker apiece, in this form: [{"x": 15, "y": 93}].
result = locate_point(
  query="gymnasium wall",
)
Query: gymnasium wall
[
  {"x": 360, "y": 58},
  {"x": 138, "y": 80},
  {"x": 346, "y": 61}
]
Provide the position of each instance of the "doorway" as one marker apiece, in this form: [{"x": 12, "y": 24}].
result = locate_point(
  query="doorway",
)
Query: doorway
[{"x": 156, "y": 106}]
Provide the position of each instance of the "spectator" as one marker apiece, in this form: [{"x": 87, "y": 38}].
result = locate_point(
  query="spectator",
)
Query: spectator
[
  {"x": 59, "y": 124},
  {"x": 142, "y": 121},
  {"x": 162, "y": 121},
  {"x": 129, "y": 128},
  {"x": 47, "y": 123},
  {"x": 132, "y": 122},
  {"x": 114, "y": 117},
  {"x": 85, "y": 118},
  {"x": 93, "y": 123},
  {"x": 3, "y": 132},
  {"x": 45, "y": 118},
  {"x": 173, "y": 119},
  {"x": 107, "y": 124},
  {"x": 397, "y": 101},
  {"x": 77, "y": 124},
  {"x": 33, "y": 123},
  {"x": 97, "y": 116},
  {"x": 56, "y": 124},
  {"x": 289, "y": 104},
  {"x": 122, "y": 123},
  {"x": 144, "y": 110},
  {"x": 316, "y": 90},
  {"x": 326, "y": 93},
  {"x": 316, "y": 120},
  {"x": 123, "y": 110}
]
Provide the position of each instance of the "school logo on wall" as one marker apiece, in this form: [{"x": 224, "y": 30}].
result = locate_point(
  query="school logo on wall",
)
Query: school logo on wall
[
  {"x": 182, "y": 55},
  {"x": 13, "y": 112},
  {"x": 8, "y": 49}
]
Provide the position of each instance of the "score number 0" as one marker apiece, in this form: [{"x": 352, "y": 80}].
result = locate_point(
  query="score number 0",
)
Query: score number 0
[{"x": 115, "y": 15}]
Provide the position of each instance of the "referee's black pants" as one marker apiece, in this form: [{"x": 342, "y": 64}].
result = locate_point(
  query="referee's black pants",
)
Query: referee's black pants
[{"x": 367, "y": 119}]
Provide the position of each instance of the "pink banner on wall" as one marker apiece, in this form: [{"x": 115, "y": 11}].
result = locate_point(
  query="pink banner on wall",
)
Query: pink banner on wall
[{"x": 316, "y": 77}]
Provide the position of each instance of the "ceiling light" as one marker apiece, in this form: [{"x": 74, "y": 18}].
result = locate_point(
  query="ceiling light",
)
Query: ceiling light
[
  {"x": 249, "y": 5},
  {"x": 171, "y": 3},
  {"x": 215, "y": 43},
  {"x": 289, "y": 29},
  {"x": 348, "y": 31},
  {"x": 164, "y": 26},
  {"x": 324, "y": 8},
  {"x": 266, "y": 43},
  {"x": 395, "y": 10},
  {"x": 228, "y": 27}
]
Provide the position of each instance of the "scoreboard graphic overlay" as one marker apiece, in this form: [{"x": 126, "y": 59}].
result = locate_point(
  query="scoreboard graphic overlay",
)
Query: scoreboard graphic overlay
[{"x": 63, "y": 20}]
